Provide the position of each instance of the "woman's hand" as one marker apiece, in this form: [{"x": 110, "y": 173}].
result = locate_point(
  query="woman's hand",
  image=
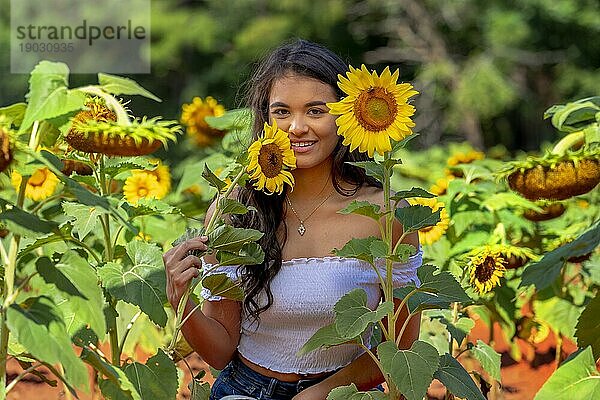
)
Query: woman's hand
[{"x": 181, "y": 267}]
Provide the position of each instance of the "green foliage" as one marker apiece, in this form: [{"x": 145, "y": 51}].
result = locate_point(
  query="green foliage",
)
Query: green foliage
[
  {"x": 222, "y": 285},
  {"x": 487, "y": 356},
  {"x": 141, "y": 282},
  {"x": 350, "y": 392},
  {"x": 157, "y": 379},
  {"x": 588, "y": 326},
  {"x": 454, "y": 376},
  {"x": 362, "y": 208},
  {"x": 577, "y": 378},
  {"x": 353, "y": 316},
  {"x": 416, "y": 217},
  {"x": 118, "y": 85},
  {"x": 411, "y": 370}
]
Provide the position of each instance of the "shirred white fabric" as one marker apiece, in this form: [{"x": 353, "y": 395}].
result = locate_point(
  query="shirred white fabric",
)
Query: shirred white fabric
[{"x": 305, "y": 291}]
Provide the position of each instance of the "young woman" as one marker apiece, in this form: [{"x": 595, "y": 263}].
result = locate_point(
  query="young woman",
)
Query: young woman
[{"x": 292, "y": 294}]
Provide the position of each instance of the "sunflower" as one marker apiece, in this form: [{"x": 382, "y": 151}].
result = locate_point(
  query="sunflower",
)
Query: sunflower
[
  {"x": 6, "y": 151},
  {"x": 163, "y": 177},
  {"x": 270, "y": 157},
  {"x": 141, "y": 185},
  {"x": 440, "y": 186},
  {"x": 40, "y": 185},
  {"x": 375, "y": 110},
  {"x": 461, "y": 158},
  {"x": 193, "y": 116},
  {"x": 486, "y": 266},
  {"x": 432, "y": 234}
]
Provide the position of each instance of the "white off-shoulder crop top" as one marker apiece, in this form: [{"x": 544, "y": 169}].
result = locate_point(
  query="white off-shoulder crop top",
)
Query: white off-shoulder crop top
[{"x": 304, "y": 293}]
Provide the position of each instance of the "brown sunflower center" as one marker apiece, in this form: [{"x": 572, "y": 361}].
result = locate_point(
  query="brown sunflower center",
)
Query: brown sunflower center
[
  {"x": 375, "y": 109},
  {"x": 485, "y": 270},
  {"x": 38, "y": 178},
  {"x": 270, "y": 160},
  {"x": 427, "y": 228}
]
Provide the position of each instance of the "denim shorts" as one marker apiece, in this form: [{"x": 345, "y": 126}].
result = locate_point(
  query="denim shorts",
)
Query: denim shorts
[{"x": 238, "y": 379}]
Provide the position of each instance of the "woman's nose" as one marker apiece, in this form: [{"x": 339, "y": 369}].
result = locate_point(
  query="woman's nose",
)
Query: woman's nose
[{"x": 298, "y": 126}]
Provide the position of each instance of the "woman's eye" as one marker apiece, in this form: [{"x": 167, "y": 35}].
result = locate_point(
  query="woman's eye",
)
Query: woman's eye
[
  {"x": 279, "y": 112},
  {"x": 316, "y": 111}
]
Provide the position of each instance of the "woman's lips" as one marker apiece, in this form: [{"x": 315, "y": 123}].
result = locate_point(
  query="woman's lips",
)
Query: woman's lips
[{"x": 302, "y": 147}]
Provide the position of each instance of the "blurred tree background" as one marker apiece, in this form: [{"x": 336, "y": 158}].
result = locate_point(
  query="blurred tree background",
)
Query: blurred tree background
[{"x": 486, "y": 70}]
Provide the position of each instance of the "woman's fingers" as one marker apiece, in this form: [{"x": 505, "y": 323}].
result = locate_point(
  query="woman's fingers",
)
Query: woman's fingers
[{"x": 182, "y": 250}]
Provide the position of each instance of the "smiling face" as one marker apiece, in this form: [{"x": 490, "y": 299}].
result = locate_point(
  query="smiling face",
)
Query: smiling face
[{"x": 297, "y": 103}]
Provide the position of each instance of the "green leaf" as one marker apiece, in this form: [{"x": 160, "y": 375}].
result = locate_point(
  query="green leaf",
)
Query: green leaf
[
  {"x": 357, "y": 248},
  {"x": 351, "y": 393},
  {"x": 228, "y": 238},
  {"x": 402, "y": 143},
  {"x": 575, "y": 379},
  {"x": 238, "y": 119},
  {"x": 212, "y": 179},
  {"x": 363, "y": 208},
  {"x": 82, "y": 194},
  {"x": 199, "y": 390},
  {"x": 48, "y": 95},
  {"x": 80, "y": 297},
  {"x": 324, "y": 337},
  {"x": 119, "y": 85},
  {"x": 14, "y": 113},
  {"x": 498, "y": 201},
  {"x": 157, "y": 379},
  {"x": 222, "y": 285},
  {"x": 379, "y": 249},
  {"x": 559, "y": 313},
  {"x": 117, "y": 165},
  {"x": 372, "y": 168},
  {"x": 113, "y": 373},
  {"x": 150, "y": 206},
  {"x": 545, "y": 271},
  {"x": 488, "y": 358},
  {"x": 436, "y": 290},
  {"x": 250, "y": 254},
  {"x": 141, "y": 284},
  {"x": 588, "y": 327},
  {"x": 459, "y": 329},
  {"x": 414, "y": 192},
  {"x": 411, "y": 370},
  {"x": 454, "y": 376},
  {"x": 38, "y": 325},
  {"x": 231, "y": 206},
  {"x": 469, "y": 219},
  {"x": 63, "y": 234},
  {"x": 26, "y": 224},
  {"x": 353, "y": 316},
  {"x": 415, "y": 217},
  {"x": 85, "y": 217}
]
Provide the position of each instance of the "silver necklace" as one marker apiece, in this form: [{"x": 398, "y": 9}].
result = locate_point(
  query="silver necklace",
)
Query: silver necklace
[{"x": 302, "y": 227}]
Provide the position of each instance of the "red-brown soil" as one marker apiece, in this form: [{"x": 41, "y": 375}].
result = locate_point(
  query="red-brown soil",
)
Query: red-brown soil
[{"x": 520, "y": 380}]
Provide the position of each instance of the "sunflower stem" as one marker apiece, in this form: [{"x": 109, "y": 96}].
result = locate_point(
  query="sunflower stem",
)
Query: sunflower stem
[
  {"x": 9, "y": 273},
  {"x": 389, "y": 220}
]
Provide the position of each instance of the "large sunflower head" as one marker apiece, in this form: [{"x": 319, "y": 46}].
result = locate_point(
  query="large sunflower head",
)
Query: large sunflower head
[
  {"x": 194, "y": 115},
  {"x": 486, "y": 266},
  {"x": 375, "y": 110},
  {"x": 40, "y": 185},
  {"x": 270, "y": 159},
  {"x": 141, "y": 185},
  {"x": 432, "y": 234}
]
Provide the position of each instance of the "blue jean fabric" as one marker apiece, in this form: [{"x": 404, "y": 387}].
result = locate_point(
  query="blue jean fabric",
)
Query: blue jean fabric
[{"x": 238, "y": 379}]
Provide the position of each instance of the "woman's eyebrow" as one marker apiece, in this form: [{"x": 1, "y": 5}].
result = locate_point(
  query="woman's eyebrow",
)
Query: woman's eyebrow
[{"x": 309, "y": 104}]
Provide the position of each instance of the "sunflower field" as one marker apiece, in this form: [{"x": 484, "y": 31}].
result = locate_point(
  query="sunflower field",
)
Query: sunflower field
[{"x": 87, "y": 210}]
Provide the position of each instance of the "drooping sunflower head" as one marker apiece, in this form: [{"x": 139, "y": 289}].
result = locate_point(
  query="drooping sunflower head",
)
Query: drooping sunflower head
[
  {"x": 142, "y": 185},
  {"x": 194, "y": 115},
  {"x": 432, "y": 234},
  {"x": 40, "y": 185},
  {"x": 375, "y": 111},
  {"x": 486, "y": 266},
  {"x": 270, "y": 159}
]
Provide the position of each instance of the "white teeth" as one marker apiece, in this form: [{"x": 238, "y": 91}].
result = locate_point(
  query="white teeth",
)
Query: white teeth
[{"x": 303, "y": 144}]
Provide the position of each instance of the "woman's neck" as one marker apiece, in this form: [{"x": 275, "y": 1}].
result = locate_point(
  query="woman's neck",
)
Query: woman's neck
[{"x": 312, "y": 182}]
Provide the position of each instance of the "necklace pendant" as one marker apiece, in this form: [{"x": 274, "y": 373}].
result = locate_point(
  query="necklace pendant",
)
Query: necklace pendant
[{"x": 301, "y": 229}]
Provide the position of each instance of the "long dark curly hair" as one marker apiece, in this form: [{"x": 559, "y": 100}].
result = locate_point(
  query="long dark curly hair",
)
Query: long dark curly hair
[{"x": 312, "y": 60}]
